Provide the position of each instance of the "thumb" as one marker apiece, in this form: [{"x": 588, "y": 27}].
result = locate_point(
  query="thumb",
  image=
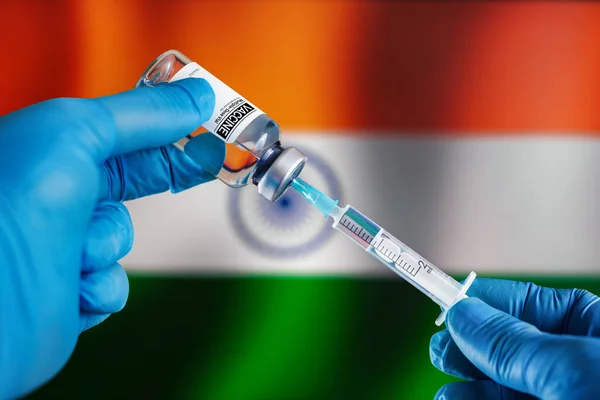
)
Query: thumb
[
  {"x": 145, "y": 118},
  {"x": 516, "y": 354}
]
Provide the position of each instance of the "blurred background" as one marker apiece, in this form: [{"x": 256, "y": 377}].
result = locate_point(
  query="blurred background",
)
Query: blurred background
[{"x": 467, "y": 129}]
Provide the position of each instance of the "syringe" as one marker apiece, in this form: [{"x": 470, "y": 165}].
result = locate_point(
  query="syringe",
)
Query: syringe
[{"x": 397, "y": 256}]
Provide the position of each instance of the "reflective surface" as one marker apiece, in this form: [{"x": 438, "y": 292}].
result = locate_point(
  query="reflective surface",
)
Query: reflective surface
[{"x": 242, "y": 155}]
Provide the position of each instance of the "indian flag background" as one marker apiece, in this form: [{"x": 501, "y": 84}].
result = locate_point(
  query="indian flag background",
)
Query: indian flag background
[{"x": 467, "y": 129}]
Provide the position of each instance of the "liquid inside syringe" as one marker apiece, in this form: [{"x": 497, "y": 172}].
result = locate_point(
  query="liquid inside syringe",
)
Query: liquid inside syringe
[{"x": 397, "y": 256}]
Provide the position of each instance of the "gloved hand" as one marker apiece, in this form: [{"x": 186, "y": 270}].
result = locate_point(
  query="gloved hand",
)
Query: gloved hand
[
  {"x": 523, "y": 339},
  {"x": 65, "y": 167}
]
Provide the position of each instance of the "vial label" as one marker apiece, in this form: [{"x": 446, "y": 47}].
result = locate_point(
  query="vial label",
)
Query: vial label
[{"x": 232, "y": 114}]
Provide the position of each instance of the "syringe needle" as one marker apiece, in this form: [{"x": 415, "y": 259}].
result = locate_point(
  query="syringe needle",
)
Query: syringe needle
[
  {"x": 397, "y": 256},
  {"x": 322, "y": 202}
]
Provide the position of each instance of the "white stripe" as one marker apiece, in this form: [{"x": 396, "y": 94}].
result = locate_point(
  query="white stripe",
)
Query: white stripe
[{"x": 517, "y": 205}]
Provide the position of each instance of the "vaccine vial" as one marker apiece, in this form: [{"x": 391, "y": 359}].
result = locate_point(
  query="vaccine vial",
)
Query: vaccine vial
[{"x": 253, "y": 150}]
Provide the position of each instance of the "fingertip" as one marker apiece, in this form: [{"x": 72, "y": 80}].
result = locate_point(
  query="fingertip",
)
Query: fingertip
[
  {"x": 186, "y": 172},
  {"x": 208, "y": 151},
  {"x": 152, "y": 117}
]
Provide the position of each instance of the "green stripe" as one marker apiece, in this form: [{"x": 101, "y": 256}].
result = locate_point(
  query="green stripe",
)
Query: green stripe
[
  {"x": 263, "y": 338},
  {"x": 277, "y": 341}
]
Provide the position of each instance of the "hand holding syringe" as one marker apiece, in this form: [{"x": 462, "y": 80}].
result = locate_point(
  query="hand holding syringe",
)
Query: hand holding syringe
[{"x": 430, "y": 280}]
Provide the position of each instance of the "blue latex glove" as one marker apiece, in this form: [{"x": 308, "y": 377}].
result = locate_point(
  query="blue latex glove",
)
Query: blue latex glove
[
  {"x": 65, "y": 167},
  {"x": 526, "y": 339}
]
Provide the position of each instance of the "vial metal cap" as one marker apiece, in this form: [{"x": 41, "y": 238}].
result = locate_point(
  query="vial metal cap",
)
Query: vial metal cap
[{"x": 278, "y": 178}]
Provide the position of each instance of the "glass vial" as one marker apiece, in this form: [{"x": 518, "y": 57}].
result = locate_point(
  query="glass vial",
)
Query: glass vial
[{"x": 253, "y": 151}]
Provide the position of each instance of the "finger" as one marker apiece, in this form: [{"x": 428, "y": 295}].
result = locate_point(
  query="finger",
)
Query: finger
[
  {"x": 104, "y": 291},
  {"x": 448, "y": 358},
  {"x": 514, "y": 353},
  {"x": 152, "y": 171},
  {"x": 572, "y": 311},
  {"x": 109, "y": 238},
  {"x": 556, "y": 311},
  {"x": 73, "y": 137},
  {"x": 479, "y": 390},
  {"x": 144, "y": 118}
]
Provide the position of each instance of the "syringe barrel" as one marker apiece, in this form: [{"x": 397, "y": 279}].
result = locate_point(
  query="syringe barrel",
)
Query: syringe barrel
[
  {"x": 401, "y": 259},
  {"x": 432, "y": 281}
]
